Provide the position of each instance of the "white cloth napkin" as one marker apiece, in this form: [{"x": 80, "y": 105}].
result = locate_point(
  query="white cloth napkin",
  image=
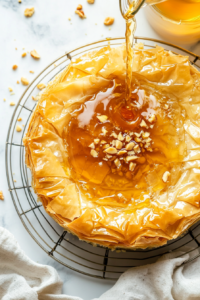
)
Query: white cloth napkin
[{"x": 23, "y": 279}]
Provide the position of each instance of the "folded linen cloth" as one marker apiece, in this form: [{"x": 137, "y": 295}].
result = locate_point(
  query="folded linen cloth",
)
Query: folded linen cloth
[{"x": 23, "y": 279}]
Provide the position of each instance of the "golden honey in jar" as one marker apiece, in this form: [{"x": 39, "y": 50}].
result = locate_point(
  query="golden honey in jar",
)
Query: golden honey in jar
[{"x": 177, "y": 20}]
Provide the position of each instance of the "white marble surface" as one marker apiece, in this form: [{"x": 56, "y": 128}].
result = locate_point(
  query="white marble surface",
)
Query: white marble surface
[{"x": 51, "y": 33}]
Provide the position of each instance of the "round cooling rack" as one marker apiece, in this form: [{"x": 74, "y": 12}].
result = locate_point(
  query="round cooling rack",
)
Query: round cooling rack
[{"x": 65, "y": 248}]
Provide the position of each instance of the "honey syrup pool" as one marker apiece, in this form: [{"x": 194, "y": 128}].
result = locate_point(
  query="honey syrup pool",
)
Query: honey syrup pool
[{"x": 118, "y": 153}]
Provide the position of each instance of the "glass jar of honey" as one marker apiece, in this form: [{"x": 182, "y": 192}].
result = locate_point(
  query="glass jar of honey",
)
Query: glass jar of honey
[{"x": 176, "y": 20}]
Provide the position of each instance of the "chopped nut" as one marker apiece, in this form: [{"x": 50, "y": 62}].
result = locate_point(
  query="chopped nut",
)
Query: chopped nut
[
  {"x": 119, "y": 145},
  {"x": 24, "y": 54},
  {"x": 109, "y": 156},
  {"x": 114, "y": 135},
  {"x": 132, "y": 166},
  {"x": 31, "y": 71},
  {"x": 103, "y": 142},
  {"x": 79, "y": 7},
  {"x": 1, "y": 195},
  {"x": 113, "y": 143},
  {"x": 19, "y": 119},
  {"x": 130, "y": 146},
  {"x": 165, "y": 176},
  {"x": 14, "y": 67},
  {"x": 143, "y": 124},
  {"x": 117, "y": 163},
  {"x": 96, "y": 141},
  {"x": 166, "y": 106},
  {"x": 80, "y": 13},
  {"x": 151, "y": 126},
  {"x": 41, "y": 86},
  {"x": 137, "y": 134},
  {"x": 111, "y": 150},
  {"x": 138, "y": 140},
  {"x": 120, "y": 137},
  {"x": 105, "y": 159},
  {"x": 34, "y": 54},
  {"x": 137, "y": 149},
  {"x": 131, "y": 152},
  {"x": 90, "y": 1},
  {"x": 18, "y": 82},
  {"x": 24, "y": 81},
  {"x": 102, "y": 118},
  {"x": 130, "y": 158},
  {"x": 145, "y": 135},
  {"x": 12, "y": 103},
  {"x": 149, "y": 149},
  {"x": 109, "y": 21},
  {"x": 148, "y": 140},
  {"x": 94, "y": 153},
  {"x": 128, "y": 138},
  {"x": 104, "y": 131},
  {"x": 29, "y": 12},
  {"x": 18, "y": 128},
  {"x": 106, "y": 146},
  {"x": 121, "y": 152},
  {"x": 152, "y": 119},
  {"x": 92, "y": 145}
]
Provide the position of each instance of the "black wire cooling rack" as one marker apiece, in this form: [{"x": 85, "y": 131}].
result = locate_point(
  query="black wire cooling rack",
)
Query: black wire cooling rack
[{"x": 66, "y": 249}]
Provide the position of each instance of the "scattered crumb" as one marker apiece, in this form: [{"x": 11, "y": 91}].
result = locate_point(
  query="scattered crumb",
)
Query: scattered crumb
[
  {"x": 24, "y": 81},
  {"x": 19, "y": 1},
  {"x": 69, "y": 19},
  {"x": 10, "y": 89},
  {"x": 31, "y": 71},
  {"x": 80, "y": 13},
  {"x": 4, "y": 99},
  {"x": 41, "y": 86},
  {"x": 90, "y": 1},
  {"x": 14, "y": 67},
  {"x": 109, "y": 21},
  {"x": 15, "y": 48},
  {"x": 35, "y": 98},
  {"x": 1, "y": 195},
  {"x": 18, "y": 128},
  {"x": 55, "y": 65},
  {"x": 29, "y": 12},
  {"x": 15, "y": 180},
  {"x": 79, "y": 7},
  {"x": 23, "y": 125},
  {"x": 12, "y": 103},
  {"x": 17, "y": 81},
  {"x": 24, "y": 54},
  {"x": 34, "y": 54},
  {"x": 19, "y": 119},
  {"x": 12, "y": 93}
]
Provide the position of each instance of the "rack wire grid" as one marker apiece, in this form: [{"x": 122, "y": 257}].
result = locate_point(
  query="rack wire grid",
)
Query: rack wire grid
[{"x": 63, "y": 247}]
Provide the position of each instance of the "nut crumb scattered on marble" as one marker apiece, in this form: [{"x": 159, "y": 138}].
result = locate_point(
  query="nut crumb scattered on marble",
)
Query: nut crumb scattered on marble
[
  {"x": 34, "y": 54},
  {"x": 41, "y": 86},
  {"x": 18, "y": 82},
  {"x": 10, "y": 89},
  {"x": 31, "y": 71},
  {"x": 23, "y": 54},
  {"x": 1, "y": 195},
  {"x": 12, "y": 93},
  {"x": 80, "y": 13},
  {"x": 79, "y": 7},
  {"x": 12, "y": 103},
  {"x": 165, "y": 176},
  {"x": 90, "y": 1},
  {"x": 15, "y": 48},
  {"x": 24, "y": 81},
  {"x": 15, "y": 180},
  {"x": 4, "y": 99},
  {"x": 18, "y": 128},
  {"x": 19, "y": 1},
  {"x": 109, "y": 21},
  {"x": 14, "y": 67},
  {"x": 19, "y": 119},
  {"x": 29, "y": 12},
  {"x": 69, "y": 19}
]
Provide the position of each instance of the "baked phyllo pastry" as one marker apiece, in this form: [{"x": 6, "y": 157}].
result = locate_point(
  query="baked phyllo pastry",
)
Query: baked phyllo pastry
[{"x": 121, "y": 174}]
